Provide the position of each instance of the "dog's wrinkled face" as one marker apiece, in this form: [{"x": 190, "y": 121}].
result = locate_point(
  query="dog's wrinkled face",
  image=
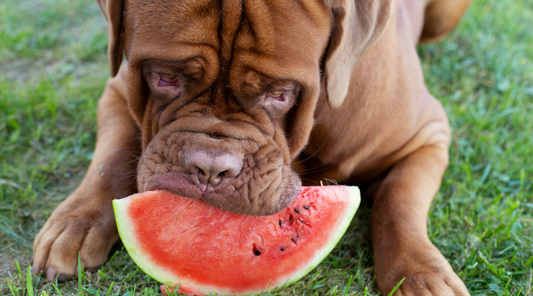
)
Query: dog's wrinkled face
[{"x": 224, "y": 92}]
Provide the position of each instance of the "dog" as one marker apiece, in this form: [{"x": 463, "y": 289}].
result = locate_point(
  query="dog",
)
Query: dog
[{"x": 227, "y": 100}]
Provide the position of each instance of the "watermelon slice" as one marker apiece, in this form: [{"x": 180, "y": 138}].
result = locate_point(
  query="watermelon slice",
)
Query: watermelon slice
[{"x": 177, "y": 240}]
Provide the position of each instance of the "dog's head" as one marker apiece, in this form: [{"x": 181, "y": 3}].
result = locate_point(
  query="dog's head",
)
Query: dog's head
[{"x": 224, "y": 91}]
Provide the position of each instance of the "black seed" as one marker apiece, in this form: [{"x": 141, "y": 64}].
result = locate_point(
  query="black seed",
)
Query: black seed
[
  {"x": 294, "y": 240},
  {"x": 296, "y": 210},
  {"x": 302, "y": 220},
  {"x": 279, "y": 223},
  {"x": 257, "y": 252},
  {"x": 282, "y": 249},
  {"x": 306, "y": 207},
  {"x": 290, "y": 219}
]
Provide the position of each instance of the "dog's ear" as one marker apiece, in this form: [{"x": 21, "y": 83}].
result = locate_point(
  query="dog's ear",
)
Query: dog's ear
[
  {"x": 113, "y": 11},
  {"x": 358, "y": 24}
]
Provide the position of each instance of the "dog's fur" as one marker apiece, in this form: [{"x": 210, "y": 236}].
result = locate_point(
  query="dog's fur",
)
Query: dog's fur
[{"x": 353, "y": 108}]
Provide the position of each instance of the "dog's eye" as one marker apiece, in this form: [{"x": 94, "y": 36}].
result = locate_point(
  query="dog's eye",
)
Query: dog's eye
[
  {"x": 168, "y": 80},
  {"x": 277, "y": 94},
  {"x": 168, "y": 76}
]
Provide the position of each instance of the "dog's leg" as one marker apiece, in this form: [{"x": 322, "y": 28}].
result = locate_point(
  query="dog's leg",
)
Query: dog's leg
[
  {"x": 402, "y": 248},
  {"x": 84, "y": 222},
  {"x": 440, "y": 17}
]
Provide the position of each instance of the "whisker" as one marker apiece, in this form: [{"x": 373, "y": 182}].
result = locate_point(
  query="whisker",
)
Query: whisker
[
  {"x": 316, "y": 167},
  {"x": 312, "y": 172},
  {"x": 324, "y": 143}
]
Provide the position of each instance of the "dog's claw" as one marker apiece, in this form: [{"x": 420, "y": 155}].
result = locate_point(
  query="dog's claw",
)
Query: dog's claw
[
  {"x": 63, "y": 277},
  {"x": 50, "y": 274},
  {"x": 35, "y": 268},
  {"x": 74, "y": 231}
]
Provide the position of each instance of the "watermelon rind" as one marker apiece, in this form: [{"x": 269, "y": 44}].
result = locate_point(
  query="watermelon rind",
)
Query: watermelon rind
[{"x": 126, "y": 231}]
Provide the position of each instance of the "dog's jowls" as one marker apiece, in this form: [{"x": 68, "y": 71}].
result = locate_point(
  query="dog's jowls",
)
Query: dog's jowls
[{"x": 219, "y": 98}]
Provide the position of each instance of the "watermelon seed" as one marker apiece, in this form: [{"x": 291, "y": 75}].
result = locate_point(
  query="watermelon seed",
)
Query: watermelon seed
[
  {"x": 296, "y": 210},
  {"x": 257, "y": 252},
  {"x": 290, "y": 218},
  {"x": 294, "y": 240},
  {"x": 306, "y": 207},
  {"x": 282, "y": 249},
  {"x": 279, "y": 223}
]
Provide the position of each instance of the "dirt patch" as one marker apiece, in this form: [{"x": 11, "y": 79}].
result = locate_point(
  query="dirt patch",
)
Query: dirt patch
[{"x": 8, "y": 264}]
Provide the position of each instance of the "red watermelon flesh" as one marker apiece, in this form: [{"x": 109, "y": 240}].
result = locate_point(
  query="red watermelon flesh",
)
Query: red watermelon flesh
[{"x": 177, "y": 240}]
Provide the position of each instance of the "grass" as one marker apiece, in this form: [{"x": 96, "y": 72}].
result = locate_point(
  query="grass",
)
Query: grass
[{"x": 54, "y": 66}]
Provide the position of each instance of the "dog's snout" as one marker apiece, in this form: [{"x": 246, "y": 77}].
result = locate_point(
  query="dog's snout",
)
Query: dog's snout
[{"x": 211, "y": 167}]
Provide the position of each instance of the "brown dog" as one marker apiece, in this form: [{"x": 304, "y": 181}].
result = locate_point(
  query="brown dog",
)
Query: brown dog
[{"x": 226, "y": 94}]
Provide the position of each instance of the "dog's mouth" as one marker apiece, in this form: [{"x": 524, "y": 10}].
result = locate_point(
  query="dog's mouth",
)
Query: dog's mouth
[
  {"x": 231, "y": 194},
  {"x": 177, "y": 183},
  {"x": 250, "y": 181}
]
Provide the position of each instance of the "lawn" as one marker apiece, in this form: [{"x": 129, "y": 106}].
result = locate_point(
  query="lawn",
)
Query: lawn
[{"x": 53, "y": 67}]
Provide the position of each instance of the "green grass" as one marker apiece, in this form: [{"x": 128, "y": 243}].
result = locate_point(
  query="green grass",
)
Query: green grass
[{"x": 54, "y": 67}]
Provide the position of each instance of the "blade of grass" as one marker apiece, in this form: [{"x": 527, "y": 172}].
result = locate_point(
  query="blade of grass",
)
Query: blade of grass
[
  {"x": 57, "y": 289},
  {"x": 29, "y": 282},
  {"x": 12, "y": 288},
  {"x": 175, "y": 292},
  {"x": 6, "y": 229},
  {"x": 350, "y": 281},
  {"x": 132, "y": 274},
  {"x": 19, "y": 271},
  {"x": 396, "y": 288},
  {"x": 109, "y": 289},
  {"x": 80, "y": 279}
]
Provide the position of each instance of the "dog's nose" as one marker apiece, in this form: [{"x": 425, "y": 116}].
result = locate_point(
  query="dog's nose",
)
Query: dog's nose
[{"x": 212, "y": 166}]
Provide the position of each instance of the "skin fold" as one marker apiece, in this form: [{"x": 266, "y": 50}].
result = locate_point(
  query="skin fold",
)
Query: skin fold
[{"x": 228, "y": 100}]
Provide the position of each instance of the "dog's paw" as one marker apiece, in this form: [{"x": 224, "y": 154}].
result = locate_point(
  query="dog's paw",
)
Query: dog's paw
[
  {"x": 425, "y": 270},
  {"x": 79, "y": 225}
]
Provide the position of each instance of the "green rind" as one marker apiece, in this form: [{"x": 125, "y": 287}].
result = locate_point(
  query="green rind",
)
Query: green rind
[
  {"x": 124, "y": 225},
  {"x": 120, "y": 207}
]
